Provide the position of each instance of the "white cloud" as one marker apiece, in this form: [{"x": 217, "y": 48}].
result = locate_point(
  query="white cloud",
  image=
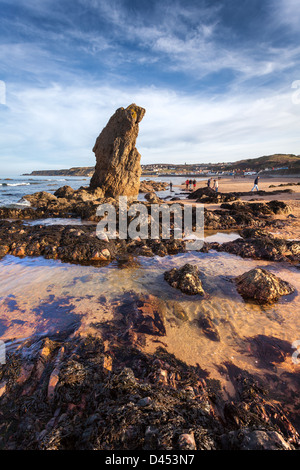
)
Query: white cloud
[
  {"x": 54, "y": 122},
  {"x": 57, "y": 127},
  {"x": 188, "y": 39},
  {"x": 173, "y": 36},
  {"x": 287, "y": 12}
]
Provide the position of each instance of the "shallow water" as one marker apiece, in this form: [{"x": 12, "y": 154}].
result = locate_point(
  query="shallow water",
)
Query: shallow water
[
  {"x": 56, "y": 221},
  {"x": 220, "y": 237},
  {"x": 13, "y": 188},
  {"x": 39, "y": 296}
]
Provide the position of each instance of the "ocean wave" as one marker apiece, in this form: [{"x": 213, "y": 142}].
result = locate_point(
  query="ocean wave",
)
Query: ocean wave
[
  {"x": 22, "y": 202},
  {"x": 14, "y": 184}
]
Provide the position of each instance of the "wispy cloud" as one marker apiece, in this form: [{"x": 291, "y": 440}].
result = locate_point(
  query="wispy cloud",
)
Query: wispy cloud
[
  {"x": 214, "y": 87},
  {"x": 286, "y": 12},
  {"x": 64, "y": 122}
]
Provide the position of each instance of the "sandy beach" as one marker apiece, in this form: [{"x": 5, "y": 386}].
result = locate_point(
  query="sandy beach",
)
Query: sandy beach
[{"x": 291, "y": 230}]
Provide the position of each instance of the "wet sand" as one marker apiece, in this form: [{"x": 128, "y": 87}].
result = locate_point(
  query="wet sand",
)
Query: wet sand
[{"x": 291, "y": 230}]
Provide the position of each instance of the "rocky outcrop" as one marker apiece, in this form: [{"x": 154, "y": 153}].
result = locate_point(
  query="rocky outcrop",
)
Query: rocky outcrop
[
  {"x": 144, "y": 315},
  {"x": 75, "y": 171},
  {"x": 68, "y": 243},
  {"x": 208, "y": 327},
  {"x": 118, "y": 168},
  {"x": 147, "y": 186},
  {"x": 186, "y": 279},
  {"x": 261, "y": 244},
  {"x": 210, "y": 196},
  {"x": 258, "y": 209},
  {"x": 69, "y": 392},
  {"x": 76, "y": 244},
  {"x": 248, "y": 439},
  {"x": 40, "y": 199},
  {"x": 262, "y": 286},
  {"x": 152, "y": 198},
  {"x": 64, "y": 196}
]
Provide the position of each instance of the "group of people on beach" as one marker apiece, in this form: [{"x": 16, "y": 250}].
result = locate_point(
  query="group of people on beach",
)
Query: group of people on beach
[
  {"x": 190, "y": 183},
  {"x": 212, "y": 184},
  {"x": 215, "y": 185}
]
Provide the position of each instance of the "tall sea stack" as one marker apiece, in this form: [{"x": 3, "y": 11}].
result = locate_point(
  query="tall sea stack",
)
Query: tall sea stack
[{"x": 118, "y": 168}]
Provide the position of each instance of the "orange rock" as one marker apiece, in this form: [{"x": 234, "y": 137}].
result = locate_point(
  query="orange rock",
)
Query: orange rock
[{"x": 118, "y": 168}]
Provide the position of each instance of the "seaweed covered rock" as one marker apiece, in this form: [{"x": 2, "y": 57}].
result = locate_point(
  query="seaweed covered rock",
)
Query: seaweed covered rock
[
  {"x": 152, "y": 198},
  {"x": 210, "y": 196},
  {"x": 185, "y": 279},
  {"x": 68, "y": 243},
  {"x": 279, "y": 207},
  {"x": 262, "y": 286},
  {"x": 106, "y": 394},
  {"x": 147, "y": 186},
  {"x": 258, "y": 439},
  {"x": 260, "y": 244},
  {"x": 145, "y": 315},
  {"x": 208, "y": 327},
  {"x": 40, "y": 199},
  {"x": 258, "y": 209},
  {"x": 65, "y": 192},
  {"x": 4, "y": 249},
  {"x": 118, "y": 168}
]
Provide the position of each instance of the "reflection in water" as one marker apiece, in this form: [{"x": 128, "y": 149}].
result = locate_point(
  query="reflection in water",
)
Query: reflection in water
[
  {"x": 211, "y": 236},
  {"x": 39, "y": 296}
]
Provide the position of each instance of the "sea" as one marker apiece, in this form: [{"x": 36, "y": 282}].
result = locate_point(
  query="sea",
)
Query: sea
[{"x": 14, "y": 188}]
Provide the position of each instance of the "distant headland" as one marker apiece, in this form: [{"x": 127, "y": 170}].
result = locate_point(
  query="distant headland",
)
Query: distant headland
[
  {"x": 283, "y": 164},
  {"x": 76, "y": 171}
]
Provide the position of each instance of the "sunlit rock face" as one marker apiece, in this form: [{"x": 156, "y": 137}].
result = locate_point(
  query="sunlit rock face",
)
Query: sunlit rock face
[
  {"x": 262, "y": 286},
  {"x": 118, "y": 168}
]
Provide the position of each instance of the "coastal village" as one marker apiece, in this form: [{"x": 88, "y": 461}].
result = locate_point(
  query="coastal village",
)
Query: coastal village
[
  {"x": 202, "y": 170},
  {"x": 270, "y": 165}
]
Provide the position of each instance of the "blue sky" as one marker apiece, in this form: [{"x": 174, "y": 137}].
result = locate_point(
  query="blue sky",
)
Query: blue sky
[{"x": 219, "y": 79}]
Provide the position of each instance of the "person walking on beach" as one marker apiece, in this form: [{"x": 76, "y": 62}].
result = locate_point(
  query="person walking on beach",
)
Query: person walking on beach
[
  {"x": 216, "y": 185},
  {"x": 171, "y": 186},
  {"x": 208, "y": 182},
  {"x": 194, "y": 184},
  {"x": 255, "y": 184},
  {"x": 187, "y": 184},
  {"x": 190, "y": 183}
]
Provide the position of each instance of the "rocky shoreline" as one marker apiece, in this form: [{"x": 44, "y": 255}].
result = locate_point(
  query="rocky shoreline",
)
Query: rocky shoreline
[
  {"x": 94, "y": 386},
  {"x": 69, "y": 391},
  {"x": 80, "y": 244},
  {"x": 105, "y": 393}
]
